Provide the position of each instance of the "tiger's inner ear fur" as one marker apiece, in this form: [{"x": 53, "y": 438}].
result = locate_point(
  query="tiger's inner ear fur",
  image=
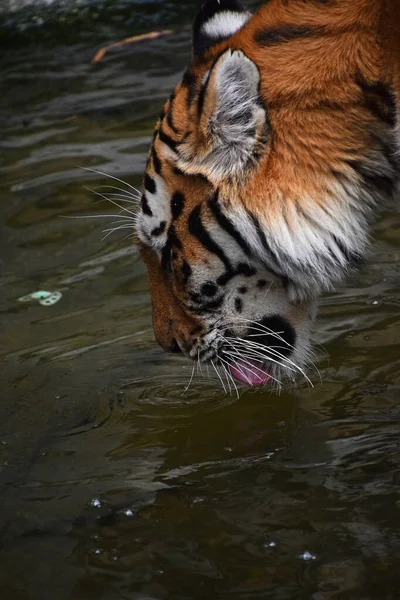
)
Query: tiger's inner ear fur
[
  {"x": 232, "y": 128},
  {"x": 217, "y": 20}
]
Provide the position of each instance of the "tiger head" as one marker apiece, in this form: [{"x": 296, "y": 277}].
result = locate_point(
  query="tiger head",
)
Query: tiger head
[{"x": 244, "y": 218}]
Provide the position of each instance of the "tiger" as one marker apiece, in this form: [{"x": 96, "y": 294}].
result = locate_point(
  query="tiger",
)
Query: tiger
[{"x": 267, "y": 164}]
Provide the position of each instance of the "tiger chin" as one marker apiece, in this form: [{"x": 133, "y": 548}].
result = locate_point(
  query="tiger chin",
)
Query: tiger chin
[{"x": 267, "y": 163}]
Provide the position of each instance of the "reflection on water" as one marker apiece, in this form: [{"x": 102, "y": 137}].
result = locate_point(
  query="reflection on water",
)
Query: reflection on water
[{"x": 115, "y": 483}]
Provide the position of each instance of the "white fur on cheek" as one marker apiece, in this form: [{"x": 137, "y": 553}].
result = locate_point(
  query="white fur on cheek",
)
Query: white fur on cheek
[
  {"x": 225, "y": 24},
  {"x": 309, "y": 246},
  {"x": 160, "y": 207}
]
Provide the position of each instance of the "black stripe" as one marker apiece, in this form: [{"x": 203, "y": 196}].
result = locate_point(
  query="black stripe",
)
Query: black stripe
[
  {"x": 166, "y": 258},
  {"x": 379, "y": 98},
  {"x": 173, "y": 238},
  {"x": 173, "y": 241},
  {"x": 263, "y": 240},
  {"x": 241, "y": 269},
  {"x": 245, "y": 269},
  {"x": 166, "y": 139},
  {"x": 156, "y": 160},
  {"x": 279, "y": 35},
  {"x": 160, "y": 229},
  {"x": 227, "y": 225},
  {"x": 202, "y": 95},
  {"x": 226, "y": 277},
  {"x": 186, "y": 271},
  {"x": 375, "y": 181},
  {"x": 169, "y": 114},
  {"x": 145, "y": 206},
  {"x": 238, "y": 305},
  {"x": 162, "y": 115},
  {"x": 150, "y": 184},
  {"x": 388, "y": 150},
  {"x": 188, "y": 78},
  {"x": 271, "y": 254},
  {"x": 179, "y": 171},
  {"x": 177, "y": 204},
  {"x": 197, "y": 229},
  {"x": 206, "y": 307},
  {"x": 189, "y": 81}
]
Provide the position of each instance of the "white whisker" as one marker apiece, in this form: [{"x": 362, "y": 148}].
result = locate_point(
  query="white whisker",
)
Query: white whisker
[
  {"x": 228, "y": 374},
  {"x": 123, "y": 208},
  {"x": 219, "y": 376},
  {"x": 261, "y": 350},
  {"x": 256, "y": 326},
  {"x": 110, "y": 177},
  {"x": 190, "y": 381},
  {"x": 90, "y": 216},
  {"x": 243, "y": 356},
  {"x": 126, "y": 193}
]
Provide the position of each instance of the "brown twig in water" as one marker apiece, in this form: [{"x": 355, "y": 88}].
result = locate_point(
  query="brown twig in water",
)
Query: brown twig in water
[{"x": 130, "y": 40}]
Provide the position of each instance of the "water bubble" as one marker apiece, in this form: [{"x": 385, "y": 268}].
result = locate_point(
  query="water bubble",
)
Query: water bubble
[
  {"x": 98, "y": 551},
  {"x": 307, "y": 556},
  {"x": 375, "y": 302},
  {"x": 128, "y": 512},
  {"x": 95, "y": 503},
  {"x": 197, "y": 500},
  {"x": 270, "y": 544}
]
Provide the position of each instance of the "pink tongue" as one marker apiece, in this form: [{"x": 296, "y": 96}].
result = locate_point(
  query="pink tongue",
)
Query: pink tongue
[{"x": 249, "y": 372}]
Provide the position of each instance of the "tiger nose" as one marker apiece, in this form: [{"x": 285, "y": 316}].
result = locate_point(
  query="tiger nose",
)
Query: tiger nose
[{"x": 174, "y": 347}]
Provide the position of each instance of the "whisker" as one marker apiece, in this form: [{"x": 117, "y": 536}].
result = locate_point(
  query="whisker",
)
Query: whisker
[
  {"x": 90, "y": 216},
  {"x": 110, "y": 177},
  {"x": 227, "y": 379},
  {"x": 199, "y": 362},
  {"x": 219, "y": 376},
  {"x": 123, "y": 208},
  {"x": 118, "y": 228},
  {"x": 257, "y": 350},
  {"x": 238, "y": 354},
  {"x": 266, "y": 352},
  {"x": 243, "y": 356},
  {"x": 127, "y": 236},
  {"x": 261, "y": 347},
  {"x": 257, "y": 326},
  {"x": 114, "y": 229},
  {"x": 134, "y": 196},
  {"x": 228, "y": 374},
  {"x": 273, "y": 350},
  {"x": 190, "y": 381},
  {"x": 122, "y": 198}
]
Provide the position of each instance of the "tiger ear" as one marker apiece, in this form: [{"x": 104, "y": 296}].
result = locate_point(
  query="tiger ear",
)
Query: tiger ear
[
  {"x": 233, "y": 126},
  {"x": 217, "y": 20}
]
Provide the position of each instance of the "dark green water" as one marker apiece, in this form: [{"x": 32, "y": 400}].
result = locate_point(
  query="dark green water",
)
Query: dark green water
[{"x": 114, "y": 486}]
